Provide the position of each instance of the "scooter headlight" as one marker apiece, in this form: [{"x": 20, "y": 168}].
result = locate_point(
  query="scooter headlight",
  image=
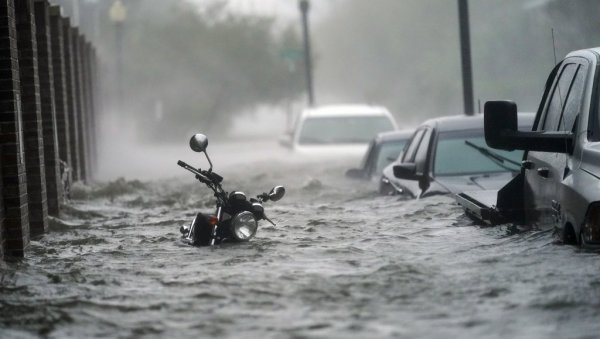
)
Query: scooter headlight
[{"x": 243, "y": 226}]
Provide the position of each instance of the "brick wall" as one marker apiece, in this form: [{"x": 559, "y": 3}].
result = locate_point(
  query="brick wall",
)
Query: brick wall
[
  {"x": 48, "y": 113},
  {"x": 71, "y": 98},
  {"x": 2, "y": 242},
  {"x": 32, "y": 118},
  {"x": 79, "y": 103},
  {"x": 60, "y": 84},
  {"x": 89, "y": 96},
  {"x": 15, "y": 228}
]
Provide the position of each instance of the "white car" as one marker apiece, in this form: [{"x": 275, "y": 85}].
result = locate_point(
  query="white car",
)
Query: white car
[{"x": 341, "y": 130}]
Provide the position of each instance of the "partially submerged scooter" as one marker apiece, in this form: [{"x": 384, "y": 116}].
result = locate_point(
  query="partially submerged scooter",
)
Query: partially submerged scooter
[{"x": 236, "y": 217}]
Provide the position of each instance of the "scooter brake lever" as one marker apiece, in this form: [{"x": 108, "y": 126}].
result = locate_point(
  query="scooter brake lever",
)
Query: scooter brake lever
[{"x": 269, "y": 220}]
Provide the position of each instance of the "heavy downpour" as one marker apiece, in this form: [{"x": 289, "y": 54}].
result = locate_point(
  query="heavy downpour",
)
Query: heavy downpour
[{"x": 299, "y": 169}]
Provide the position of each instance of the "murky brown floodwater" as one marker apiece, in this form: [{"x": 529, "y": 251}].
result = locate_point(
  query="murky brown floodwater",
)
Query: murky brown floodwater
[{"x": 341, "y": 263}]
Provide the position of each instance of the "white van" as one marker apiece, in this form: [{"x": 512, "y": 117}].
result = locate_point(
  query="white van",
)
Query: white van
[{"x": 340, "y": 130}]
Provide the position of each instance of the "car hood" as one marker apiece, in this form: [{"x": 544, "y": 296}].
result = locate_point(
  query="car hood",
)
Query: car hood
[{"x": 476, "y": 182}]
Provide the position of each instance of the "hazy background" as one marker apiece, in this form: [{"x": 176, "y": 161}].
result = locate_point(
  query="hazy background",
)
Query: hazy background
[{"x": 234, "y": 68}]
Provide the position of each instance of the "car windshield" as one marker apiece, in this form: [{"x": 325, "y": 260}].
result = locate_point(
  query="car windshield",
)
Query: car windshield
[
  {"x": 388, "y": 153},
  {"x": 343, "y": 130},
  {"x": 454, "y": 156}
]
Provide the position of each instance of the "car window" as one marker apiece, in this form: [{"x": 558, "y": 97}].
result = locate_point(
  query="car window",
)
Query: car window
[
  {"x": 369, "y": 155},
  {"x": 409, "y": 153},
  {"x": 558, "y": 99},
  {"x": 421, "y": 156},
  {"x": 574, "y": 99},
  {"x": 454, "y": 157},
  {"x": 388, "y": 152},
  {"x": 347, "y": 129}
]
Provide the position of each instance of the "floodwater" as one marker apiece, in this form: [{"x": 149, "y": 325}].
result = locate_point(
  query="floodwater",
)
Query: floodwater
[{"x": 342, "y": 262}]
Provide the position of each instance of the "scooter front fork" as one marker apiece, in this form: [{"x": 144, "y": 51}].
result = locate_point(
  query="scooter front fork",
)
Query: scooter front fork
[{"x": 216, "y": 227}]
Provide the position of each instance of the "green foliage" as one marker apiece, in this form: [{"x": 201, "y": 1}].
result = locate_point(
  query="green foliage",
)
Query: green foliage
[{"x": 203, "y": 67}]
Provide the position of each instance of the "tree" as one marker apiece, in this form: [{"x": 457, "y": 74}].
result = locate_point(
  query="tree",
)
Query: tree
[{"x": 202, "y": 68}]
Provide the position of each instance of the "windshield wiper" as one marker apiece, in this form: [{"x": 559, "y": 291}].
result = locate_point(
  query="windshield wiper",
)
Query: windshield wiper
[{"x": 495, "y": 157}]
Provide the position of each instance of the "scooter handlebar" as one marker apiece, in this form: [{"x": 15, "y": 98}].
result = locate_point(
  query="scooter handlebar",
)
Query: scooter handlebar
[
  {"x": 188, "y": 167},
  {"x": 197, "y": 172}
]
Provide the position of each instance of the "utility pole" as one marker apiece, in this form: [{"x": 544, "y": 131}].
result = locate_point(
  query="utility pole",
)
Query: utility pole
[
  {"x": 304, "y": 8},
  {"x": 465, "y": 51}
]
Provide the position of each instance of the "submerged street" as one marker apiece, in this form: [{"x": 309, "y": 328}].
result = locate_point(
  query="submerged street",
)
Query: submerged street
[
  {"x": 341, "y": 262},
  {"x": 108, "y": 107}
]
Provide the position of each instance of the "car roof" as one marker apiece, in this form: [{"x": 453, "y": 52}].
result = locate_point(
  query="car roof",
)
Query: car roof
[
  {"x": 404, "y": 134},
  {"x": 464, "y": 122},
  {"x": 585, "y": 53},
  {"x": 345, "y": 110}
]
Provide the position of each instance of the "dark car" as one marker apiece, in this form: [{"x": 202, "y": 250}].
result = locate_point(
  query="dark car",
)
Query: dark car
[
  {"x": 559, "y": 183},
  {"x": 449, "y": 155},
  {"x": 382, "y": 151}
]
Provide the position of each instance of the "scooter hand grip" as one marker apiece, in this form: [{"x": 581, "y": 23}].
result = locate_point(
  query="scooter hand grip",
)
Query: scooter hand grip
[{"x": 181, "y": 163}]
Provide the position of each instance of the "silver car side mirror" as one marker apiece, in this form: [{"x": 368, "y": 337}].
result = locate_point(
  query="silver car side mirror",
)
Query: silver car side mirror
[{"x": 199, "y": 143}]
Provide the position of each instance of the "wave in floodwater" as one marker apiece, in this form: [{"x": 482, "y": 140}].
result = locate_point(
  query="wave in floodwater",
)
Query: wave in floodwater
[{"x": 341, "y": 262}]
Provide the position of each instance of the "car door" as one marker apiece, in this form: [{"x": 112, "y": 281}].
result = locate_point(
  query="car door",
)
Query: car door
[
  {"x": 422, "y": 161},
  {"x": 544, "y": 171},
  {"x": 411, "y": 187}
]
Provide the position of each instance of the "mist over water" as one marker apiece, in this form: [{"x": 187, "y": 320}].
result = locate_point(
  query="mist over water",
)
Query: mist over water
[{"x": 251, "y": 138}]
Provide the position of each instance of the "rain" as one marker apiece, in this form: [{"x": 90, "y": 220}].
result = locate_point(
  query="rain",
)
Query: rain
[{"x": 187, "y": 89}]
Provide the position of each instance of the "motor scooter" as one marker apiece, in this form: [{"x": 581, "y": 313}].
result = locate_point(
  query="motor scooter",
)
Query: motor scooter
[{"x": 236, "y": 217}]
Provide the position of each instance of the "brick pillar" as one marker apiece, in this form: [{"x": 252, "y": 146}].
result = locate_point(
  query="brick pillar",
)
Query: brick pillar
[
  {"x": 79, "y": 103},
  {"x": 15, "y": 228},
  {"x": 2, "y": 242},
  {"x": 49, "y": 124},
  {"x": 96, "y": 107},
  {"x": 87, "y": 56},
  {"x": 32, "y": 118},
  {"x": 71, "y": 98},
  {"x": 60, "y": 85}
]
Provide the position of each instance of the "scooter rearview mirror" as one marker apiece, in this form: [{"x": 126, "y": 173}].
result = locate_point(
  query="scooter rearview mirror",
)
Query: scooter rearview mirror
[
  {"x": 277, "y": 193},
  {"x": 199, "y": 142}
]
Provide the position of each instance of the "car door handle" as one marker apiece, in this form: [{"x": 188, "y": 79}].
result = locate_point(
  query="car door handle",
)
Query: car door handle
[
  {"x": 527, "y": 164},
  {"x": 543, "y": 172}
]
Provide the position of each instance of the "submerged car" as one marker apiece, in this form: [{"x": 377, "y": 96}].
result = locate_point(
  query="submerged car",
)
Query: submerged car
[
  {"x": 449, "y": 155},
  {"x": 339, "y": 130},
  {"x": 559, "y": 182},
  {"x": 383, "y": 150}
]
